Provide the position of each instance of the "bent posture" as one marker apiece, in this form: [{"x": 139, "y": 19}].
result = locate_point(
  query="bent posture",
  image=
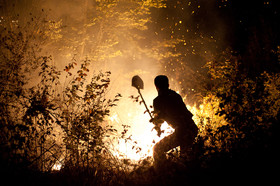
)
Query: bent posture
[{"x": 169, "y": 107}]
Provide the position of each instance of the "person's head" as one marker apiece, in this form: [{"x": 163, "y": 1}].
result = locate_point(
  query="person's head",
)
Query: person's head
[{"x": 161, "y": 82}]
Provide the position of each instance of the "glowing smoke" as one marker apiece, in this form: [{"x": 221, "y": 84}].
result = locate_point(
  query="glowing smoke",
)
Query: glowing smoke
[{"x": 124, "y": 38}]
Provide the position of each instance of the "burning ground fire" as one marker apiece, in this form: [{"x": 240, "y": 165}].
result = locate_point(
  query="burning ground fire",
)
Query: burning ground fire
[
  {"x": 136, "y": 138},
  {"x": 141, "y": 140},
  {"x": 141, "y": 137}
]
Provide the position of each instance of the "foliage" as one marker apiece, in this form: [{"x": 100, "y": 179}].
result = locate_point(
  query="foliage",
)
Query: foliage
[
  {"x": 33, "y": 112},
  {"x": 18, "y": 56},
  {"x": 59, "y": 117},
  {"x": 42, "y": 111},
  {"x": 208, "y": 121},
  {"x": 249, "y": 105},
  {"x": 103, "y": 32},
  {"x": 37, "y": 109},
  {"x": 82, "y": 113}
]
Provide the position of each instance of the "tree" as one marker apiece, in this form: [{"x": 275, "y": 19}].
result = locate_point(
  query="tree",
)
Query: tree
[{"x": 107, "y": 29}]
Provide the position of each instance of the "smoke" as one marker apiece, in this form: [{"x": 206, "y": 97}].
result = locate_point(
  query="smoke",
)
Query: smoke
[
  {"x": 113, "y": 43},
  {"x": 116, "y": 40},
  {"x": 129, "y": 38}
]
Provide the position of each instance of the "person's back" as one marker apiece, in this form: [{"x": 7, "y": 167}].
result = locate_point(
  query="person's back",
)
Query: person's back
[{"x": 172, "y": 109}]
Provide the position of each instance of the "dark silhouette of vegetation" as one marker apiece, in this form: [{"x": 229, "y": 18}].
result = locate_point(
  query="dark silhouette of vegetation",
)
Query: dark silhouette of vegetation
[
  {"x": 30, "y": 116},
  {"x": 51, "y": 117},
  {"x": 34, "y": 114}
]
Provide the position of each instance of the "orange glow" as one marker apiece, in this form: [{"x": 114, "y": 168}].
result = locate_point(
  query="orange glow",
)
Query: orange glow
[
  {"x": 57, "y": 166},
  {"x": 142, "y": 139}
]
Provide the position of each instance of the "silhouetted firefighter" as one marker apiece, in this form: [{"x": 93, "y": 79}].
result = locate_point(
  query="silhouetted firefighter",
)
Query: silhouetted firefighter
[{"x": 169, "y": 107}]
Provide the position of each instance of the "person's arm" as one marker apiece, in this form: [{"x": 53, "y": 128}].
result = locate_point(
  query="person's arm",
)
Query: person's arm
[{"x": 157, "y": 120}]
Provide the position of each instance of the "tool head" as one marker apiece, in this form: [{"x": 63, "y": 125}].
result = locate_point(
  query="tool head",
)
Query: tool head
[{"x": 137, "y": 82}]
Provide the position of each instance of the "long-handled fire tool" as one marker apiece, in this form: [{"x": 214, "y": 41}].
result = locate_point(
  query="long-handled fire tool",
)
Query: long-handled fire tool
[{"x": 138, "y": 83}]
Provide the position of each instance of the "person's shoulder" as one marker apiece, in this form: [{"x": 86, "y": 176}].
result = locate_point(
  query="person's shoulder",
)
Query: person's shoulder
[{"x": 172, "y": 92}]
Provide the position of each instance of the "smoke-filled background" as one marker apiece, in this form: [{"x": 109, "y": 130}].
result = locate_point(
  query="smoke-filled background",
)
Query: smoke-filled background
[
  {"x": 176, "y": 38},
  {"x": 66, "y": 70},
  {"x": 158, "y": 37}
]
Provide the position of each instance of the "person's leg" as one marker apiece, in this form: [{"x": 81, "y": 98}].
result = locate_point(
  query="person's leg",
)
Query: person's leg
[
  {"x": 162, "y": 147},
  {"x": 186, "y": 144}
]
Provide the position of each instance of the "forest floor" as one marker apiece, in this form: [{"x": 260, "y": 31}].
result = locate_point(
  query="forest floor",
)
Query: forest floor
[{"x": 218, "y": 170}]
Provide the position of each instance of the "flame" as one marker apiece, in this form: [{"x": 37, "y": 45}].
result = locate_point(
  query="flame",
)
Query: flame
[
  {"x": 57, "y": 166},
  {"x": 141, "y": 136},
  {"x": 142, "y": 139}
]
